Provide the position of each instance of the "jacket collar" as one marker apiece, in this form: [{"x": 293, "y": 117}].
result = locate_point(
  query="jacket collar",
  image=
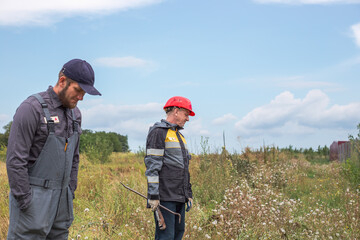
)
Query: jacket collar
[
  {"x": 171, "y": 125},
  {"x": 54, "y": 98}
]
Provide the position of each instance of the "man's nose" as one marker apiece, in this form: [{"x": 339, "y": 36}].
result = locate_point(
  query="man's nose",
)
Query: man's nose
[{"x": 81, "y": 96}]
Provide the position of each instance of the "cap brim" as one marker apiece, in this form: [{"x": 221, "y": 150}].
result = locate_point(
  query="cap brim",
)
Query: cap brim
[
  {"x": 89, "y": 89},
  {"x": 192, "y": 113}
]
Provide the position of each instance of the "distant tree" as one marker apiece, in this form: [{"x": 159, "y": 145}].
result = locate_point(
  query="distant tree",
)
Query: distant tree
[
  {"x": 120, "y": 142},
  {"x": 99, "y": 145},
  {"x": 4, "y": 137},
  {"x": 96, "y": 146}
]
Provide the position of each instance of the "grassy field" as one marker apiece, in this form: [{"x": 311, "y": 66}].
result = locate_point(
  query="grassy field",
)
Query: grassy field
[{"x": 237, "y": 196}]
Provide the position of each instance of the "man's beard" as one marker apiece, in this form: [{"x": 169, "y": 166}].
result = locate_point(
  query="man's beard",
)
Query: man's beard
[{"x": 64, "y": 100}]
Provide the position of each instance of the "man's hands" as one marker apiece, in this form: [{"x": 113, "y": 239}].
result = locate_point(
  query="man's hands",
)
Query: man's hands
[
  {"x": 189, "y": 204},
  {"x": 153, "y": 204}
]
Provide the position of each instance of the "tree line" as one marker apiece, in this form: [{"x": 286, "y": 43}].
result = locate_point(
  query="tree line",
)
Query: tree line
[{"x": 97, "y": 146}]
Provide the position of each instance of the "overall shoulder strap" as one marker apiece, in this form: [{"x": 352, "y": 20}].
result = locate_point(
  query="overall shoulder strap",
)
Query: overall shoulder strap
[
  {"x": 75, "y": 123},
  {"x": 50, "y": 122}
]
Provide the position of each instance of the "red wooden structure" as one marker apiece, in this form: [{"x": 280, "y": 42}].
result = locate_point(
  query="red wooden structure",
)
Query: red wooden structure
[{"x": 340, "y": 151}]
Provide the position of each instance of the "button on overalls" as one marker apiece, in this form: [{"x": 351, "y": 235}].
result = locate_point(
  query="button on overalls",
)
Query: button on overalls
[{"x": 50, "y": 212}]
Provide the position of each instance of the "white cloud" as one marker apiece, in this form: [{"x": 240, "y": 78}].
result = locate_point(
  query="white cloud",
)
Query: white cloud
[
  {"x": 224, "y": 119},
  {"x": 195, "y": 128},
  {"x": 122, "y": 62},
  {"x": 131, "y": 120},
  {"x": 44, "y": 12},
  {"x": 308, "y": 1},
  {"x": 356, "y": 33},
  {"x": 100, "y": 115},
  {"x": 288, "y": 115}
]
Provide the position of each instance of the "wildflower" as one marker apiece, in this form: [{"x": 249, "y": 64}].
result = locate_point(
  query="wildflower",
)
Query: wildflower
[
  {"x": 120, "y": 234},
  {"x": 195, "y": 227},
  {"x": 200, "y": 228},
  {"x": 207, "y": 236},
  {"x": 86, "y": 210},
  {"x": 214, "y": 222},
  {"x": 282, "y": 230}
]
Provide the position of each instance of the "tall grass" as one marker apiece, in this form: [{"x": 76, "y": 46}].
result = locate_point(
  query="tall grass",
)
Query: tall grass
[
  {"x": 351, "y": 167},
  {"x": 256, "y": 194}
]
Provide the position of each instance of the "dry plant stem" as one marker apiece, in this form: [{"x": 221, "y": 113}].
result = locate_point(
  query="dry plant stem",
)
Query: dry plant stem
[{"x": 178, "y": 214}]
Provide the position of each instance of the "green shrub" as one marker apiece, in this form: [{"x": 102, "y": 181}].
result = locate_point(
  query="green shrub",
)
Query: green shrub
[
  {"x": 96, "y": 147},
  {"x": 3, "y": 150}
]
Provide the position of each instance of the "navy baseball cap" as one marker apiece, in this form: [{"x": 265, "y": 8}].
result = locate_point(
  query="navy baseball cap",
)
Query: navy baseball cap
[{"x": 81, "y": 72}]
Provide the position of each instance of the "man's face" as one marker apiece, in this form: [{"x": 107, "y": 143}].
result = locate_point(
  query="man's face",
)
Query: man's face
[
  {"x": 71, "y": 94},
  {"x": 182, "y": 116}
]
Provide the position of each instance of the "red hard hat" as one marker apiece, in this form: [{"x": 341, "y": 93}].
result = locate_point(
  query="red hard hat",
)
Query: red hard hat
[{"x": 180, "y": 102}]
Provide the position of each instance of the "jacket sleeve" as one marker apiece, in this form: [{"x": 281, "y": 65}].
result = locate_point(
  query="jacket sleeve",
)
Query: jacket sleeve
[
  {"x": 75, "y": 165},
  {"x": 21, "y": 136},
  {"x": 155, "y": 147},
  {"x": 189, "y": 182}
]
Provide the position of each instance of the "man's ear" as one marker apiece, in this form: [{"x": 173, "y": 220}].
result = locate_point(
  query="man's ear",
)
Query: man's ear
[{"x": 62, "y": 82}]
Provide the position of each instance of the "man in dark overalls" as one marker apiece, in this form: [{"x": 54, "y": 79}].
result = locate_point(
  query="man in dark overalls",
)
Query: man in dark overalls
[{"x": 43, "y": 156}]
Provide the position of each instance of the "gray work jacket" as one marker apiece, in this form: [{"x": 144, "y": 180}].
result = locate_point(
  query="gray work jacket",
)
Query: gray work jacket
[
  {"x": 27, "y": 137},
  {"x": 167, "y": 163}
]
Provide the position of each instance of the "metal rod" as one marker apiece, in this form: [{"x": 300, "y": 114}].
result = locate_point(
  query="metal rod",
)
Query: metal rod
[{"x": 175, "y": 213}]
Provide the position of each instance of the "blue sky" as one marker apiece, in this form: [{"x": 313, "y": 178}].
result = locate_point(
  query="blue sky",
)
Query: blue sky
[{"x": 279, "y": 72}]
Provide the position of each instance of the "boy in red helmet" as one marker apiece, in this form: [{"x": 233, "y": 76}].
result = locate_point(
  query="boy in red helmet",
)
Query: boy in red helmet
[{"x": 167, "y": 167}]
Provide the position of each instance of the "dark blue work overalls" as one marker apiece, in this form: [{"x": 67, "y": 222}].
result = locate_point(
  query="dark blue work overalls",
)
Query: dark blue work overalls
[{"x": 50, "y": 212}]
